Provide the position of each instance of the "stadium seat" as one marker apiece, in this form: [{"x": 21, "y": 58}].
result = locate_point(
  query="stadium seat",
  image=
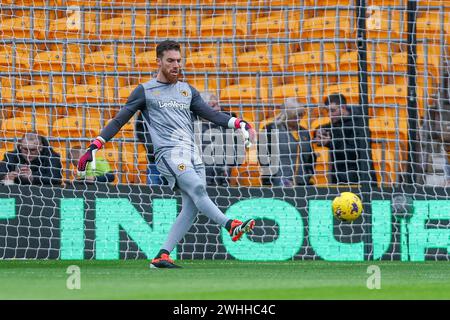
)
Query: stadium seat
[
  {"x": 77, "y": 25},
  {"x": 349, "y": 90},
  {"x": 146, "y": 61},
  {"x": 429, "y": 89},
  {"x": 124, "y": 93},
  {"x": 324, "y": 27},
  {"x": 208, "y": 60},
  {"x": 243, "y": 93},
  {"x": 126, "y": 161},
  {"x": 172, "y": 26},
  {"x": 385, "y": 163},
  {"x": 39, "y": 93},
  {"x": 20, "y": 27},
  {"x": 124, "y": 26},
  {"x": 392, "y": 101},
  {"x": 385, "y": 127},
  {"x": 10, "y": 85},
  {"x": 249, "y": 173},
  {"x": 82, "y": 94},
  {"x": 432, "y": 64},
  {"x": 76, "y": 127},
  {"x": 312, "y": 61},
  {"x": 321, "y": 166},
  {"x": 429, "y": 26},
  {"x": 89, "y": 3},
  {"x": 16, "y": 127},
  {"x": 18, "y": 58},
  {"x": 385, "y": 3},
  {"x": 54, "y": 61},
  {"x": 108, "y": 61},
  {"x": 224, "y": 25},
  {"x": 383, "y": 24},
  {"x": 349, "y": 61},
  {"x": 275, "y": 24},
  {"x": 37, "y": 3},
  {"x": 210, "y": 83},
  {"x": 299, "y": 91},
  {"x": 260, "y": 60}
]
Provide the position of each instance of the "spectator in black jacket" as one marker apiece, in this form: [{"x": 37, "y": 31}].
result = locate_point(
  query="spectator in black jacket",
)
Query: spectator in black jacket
[
  {"x": 341, "y": 137},
  {"x": 296, "y": 157},
  {"x": 217, "y": 171},
  {"x": 32, "y": 162}
]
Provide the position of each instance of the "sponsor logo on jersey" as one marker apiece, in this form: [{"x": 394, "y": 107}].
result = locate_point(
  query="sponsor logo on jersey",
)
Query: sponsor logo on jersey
[
  {"x": 184, "y": 93},
  {"x": 173, "y": 104}
]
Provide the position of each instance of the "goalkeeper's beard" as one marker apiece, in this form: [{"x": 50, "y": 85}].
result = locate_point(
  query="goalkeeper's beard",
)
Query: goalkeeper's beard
[{"x": 170, "y": 77}]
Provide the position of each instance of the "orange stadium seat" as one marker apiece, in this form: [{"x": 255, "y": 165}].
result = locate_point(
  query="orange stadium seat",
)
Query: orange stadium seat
[
  {"x": 224, "y": 25},
  {"x": 432, "y": 64},
  {"x": 77, "y": 25},
  {"x": 349, "y": 61},
  {"x": 146, "y": 61},
  {"x": 16, "y": 127},
  {"x": 127, "y": 161},
  {"x": 261, "y": 60},
  {"x": 83, "y": 94},
  {"x": 275, "y": 24},
  {"x": 209, "y": 60},
  {"x": 386, "y": 3},
  {"x": 248, "y": 173},
  {"x": 383, "y": 24},
  {"x": 321, "y": 166},
  {"x": 76, "y": 127},
  {"x": 89, "y": 3},
  {"x": 54, "y": 61},
  {"x": 106, "y": 60},
  {"x": 429, "y": 89},
  {"x": 18, "y": 58},
  {"x": 325, "y": 27},
  {"x": 349, "y": 90},
  {"x": 394, "y": 99},
  {"x": 20, "y": 27},
  {"x": 429, "y": 3},
  {"x": 429, "y": 26},
  {"x": 39, "y": 93},
  {"x": 172, "y": 26},
  {"x": 124, "y": 93},
  {"x": 183, "y": 2},
  {"x": 300, "y": 91},
  {"x": 123, "y": 26},
  {"x": 385, "y": 163},
  {"x": 37, "y": 3},
  {"x": 312, "y": 61},
  {"x": 243, "y": 93},
  {"x": 10, "y": 86},
  {"x": 389, "y": 128}
]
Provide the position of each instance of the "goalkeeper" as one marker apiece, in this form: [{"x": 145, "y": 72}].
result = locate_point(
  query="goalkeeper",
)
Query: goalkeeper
[{"x": 168, "y": 106}]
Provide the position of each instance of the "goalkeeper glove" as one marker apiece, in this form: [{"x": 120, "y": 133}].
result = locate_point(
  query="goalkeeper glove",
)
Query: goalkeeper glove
[
  {"x": 89, "y": 156},
  {"x": 247, "y": 131}
]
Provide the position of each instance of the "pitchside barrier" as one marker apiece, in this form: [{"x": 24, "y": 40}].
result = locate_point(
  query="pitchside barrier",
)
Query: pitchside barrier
[{"x": 106, "y": 222}]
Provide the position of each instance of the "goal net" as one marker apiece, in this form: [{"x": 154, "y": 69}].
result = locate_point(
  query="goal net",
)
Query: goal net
[{"x": 345, "y": 95}]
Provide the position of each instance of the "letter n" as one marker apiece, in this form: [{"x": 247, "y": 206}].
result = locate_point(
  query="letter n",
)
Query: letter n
[{"x": 111, "y": 214}]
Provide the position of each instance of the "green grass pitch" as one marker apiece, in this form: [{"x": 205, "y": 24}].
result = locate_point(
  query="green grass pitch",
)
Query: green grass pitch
[{"x": 198, "y": 280}]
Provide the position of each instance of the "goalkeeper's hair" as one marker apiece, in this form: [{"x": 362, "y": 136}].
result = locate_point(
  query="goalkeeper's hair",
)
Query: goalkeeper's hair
[{"x": 166, "y": 45}]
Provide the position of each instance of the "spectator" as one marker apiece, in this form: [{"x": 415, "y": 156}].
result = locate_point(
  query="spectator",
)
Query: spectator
[
  {"x": 216, "y": 172},
  {"x": 341, "y": 138},
  {"x": 32, "y": 162},
  {"x": 296, "y": 157},
  {"x": 102, "y": 173}
]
